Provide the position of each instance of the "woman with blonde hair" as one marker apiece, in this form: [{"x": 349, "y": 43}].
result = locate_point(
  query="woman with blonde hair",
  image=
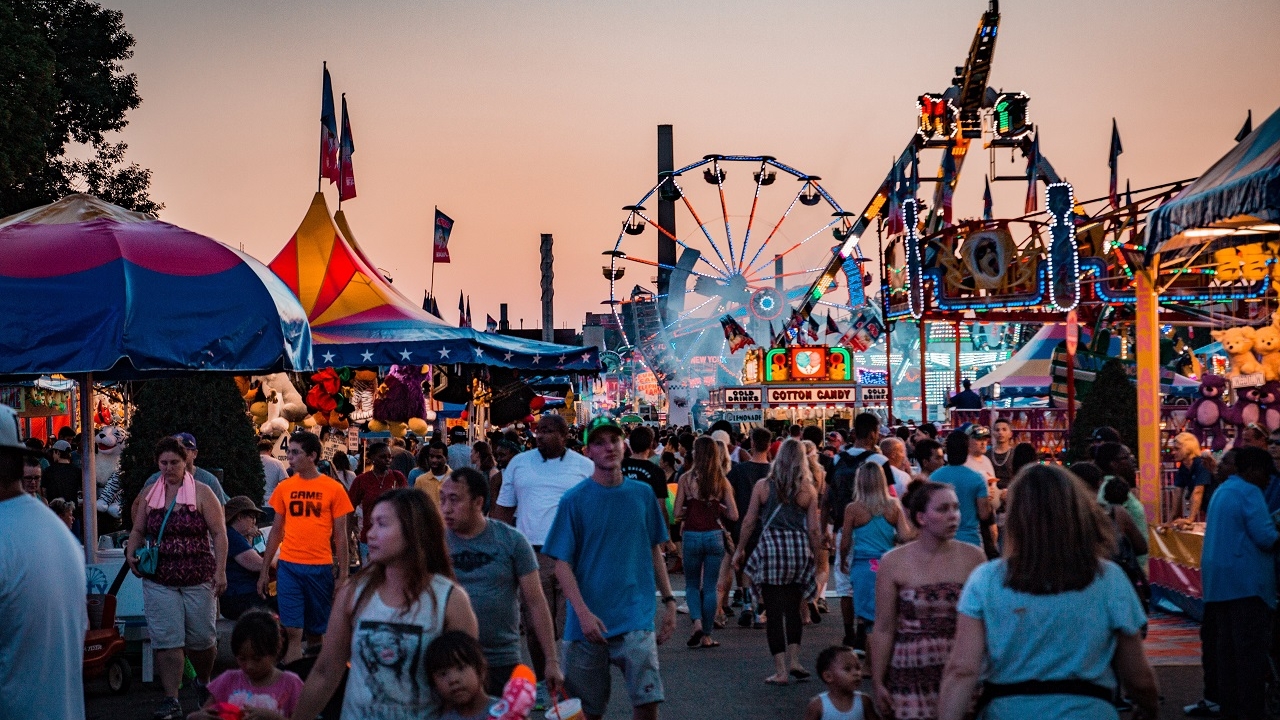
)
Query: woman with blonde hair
[
  {"x": 873, "y": 524},
  {"x": 781, "y": 563},
  {"x": 1056, "y": 575},
  {"x": 703, "y": 498}
]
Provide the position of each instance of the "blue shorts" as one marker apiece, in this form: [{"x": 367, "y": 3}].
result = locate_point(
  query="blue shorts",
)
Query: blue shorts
[{"x": 305, "y": 596}]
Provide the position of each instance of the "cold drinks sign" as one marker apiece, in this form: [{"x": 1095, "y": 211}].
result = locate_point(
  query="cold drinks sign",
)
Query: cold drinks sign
[{"x": 817, "y": 395}]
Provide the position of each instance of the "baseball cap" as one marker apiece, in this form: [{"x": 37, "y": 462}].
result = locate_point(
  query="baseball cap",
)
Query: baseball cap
[
  {"x": 61, "y": 446},
  {"x": 1105, "y": 433},
  {"x": 9, "y": 437},
  {"x": 978, "y": 432},
  {"x": 239, "y": 505},
  {"x": 188, "y": 440},
  {"x": 603, "y": 422}
]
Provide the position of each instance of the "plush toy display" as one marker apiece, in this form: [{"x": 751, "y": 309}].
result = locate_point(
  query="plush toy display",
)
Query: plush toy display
[
  {"x": 1269, "y": 397},
  {"x": 1206, "y": 415},
  {"x": 1246, "y": 409},
  {"x": 292, "y": 408},
  {"x": 108, "y": 446},
  {"x": 1237, "y": 343},
  {"x": 399, "y": 399},
  {"x": 1266, "y": 342}
]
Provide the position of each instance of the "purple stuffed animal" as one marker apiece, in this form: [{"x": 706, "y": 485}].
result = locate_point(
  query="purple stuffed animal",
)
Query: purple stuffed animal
[
  {"x": 1246, "y": 408},
  {"x": 1206, "y": 415},
  {"x": 1269, "y": 397}
]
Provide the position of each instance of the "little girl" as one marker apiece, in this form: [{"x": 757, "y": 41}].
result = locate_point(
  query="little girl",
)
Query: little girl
[
  {"x": 259, "y": 688},
  {"x": 457, "y": 668},
  {"x": 840, "y": 670}
]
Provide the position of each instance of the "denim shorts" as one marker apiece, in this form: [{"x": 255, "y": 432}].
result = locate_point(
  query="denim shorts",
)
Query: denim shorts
[
  {"x": 305, "y": 596},
  {"x": 586, "y": 669},
  {"x": 180, "y": 617}
]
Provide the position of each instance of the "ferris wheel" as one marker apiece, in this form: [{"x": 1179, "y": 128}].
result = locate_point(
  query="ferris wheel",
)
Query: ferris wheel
[{"x": 749, "y": 244}]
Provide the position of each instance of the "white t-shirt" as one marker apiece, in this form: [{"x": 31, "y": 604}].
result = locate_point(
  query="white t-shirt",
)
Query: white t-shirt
[
  {"x": 900, "y": 480},
  {"x": 273, "y": 471},
  {"x": 42, "y": 614},
  {"x": 533, "y": 486},
  {"x": 981, "y": 464}
]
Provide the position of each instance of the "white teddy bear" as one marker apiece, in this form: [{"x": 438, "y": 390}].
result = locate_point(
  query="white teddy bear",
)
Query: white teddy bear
[
  {"x": 108, "y": 446},
  {"x": 284, "y": 403}
]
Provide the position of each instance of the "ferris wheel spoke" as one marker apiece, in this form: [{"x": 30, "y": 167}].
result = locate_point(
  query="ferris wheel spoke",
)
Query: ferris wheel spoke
[
  {"x": 755, "y": 200},
  {"x": 784, "y": 253},
  {"x": 754, "y": 280},
  {"x": 665, "y": 266},
  {"x": 775, "y": 227},
  {"x": 701, "y": 226},
  {"x": 683, "y": 244},
  {"x": 724, "y": 208},
  {"x": 690, "y": 311}
]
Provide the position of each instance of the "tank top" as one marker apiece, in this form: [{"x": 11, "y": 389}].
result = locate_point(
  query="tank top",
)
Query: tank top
[
  {"x": 790, "y": 515},
  {"x": 829, "y": 711},
  {"x": 186, "y": 554},
  {"x": 388, "y": 645},
  {"x": 701, "y": 515},
  {"x": 873, "y": 539}
]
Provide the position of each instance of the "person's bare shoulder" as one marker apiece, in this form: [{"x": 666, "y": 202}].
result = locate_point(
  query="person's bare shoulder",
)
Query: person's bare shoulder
[
  {"x": 972, "y": 555},
  {"x": 813, "y": 711}
]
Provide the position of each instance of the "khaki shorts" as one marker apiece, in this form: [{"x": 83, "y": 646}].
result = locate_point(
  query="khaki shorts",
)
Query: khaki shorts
[
  {"x": 587, "y": 676},
  {"x": 180, "y": 617}
]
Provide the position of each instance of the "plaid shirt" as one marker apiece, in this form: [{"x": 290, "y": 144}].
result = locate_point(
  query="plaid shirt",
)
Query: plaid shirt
[{"x": 783, "y": 557}]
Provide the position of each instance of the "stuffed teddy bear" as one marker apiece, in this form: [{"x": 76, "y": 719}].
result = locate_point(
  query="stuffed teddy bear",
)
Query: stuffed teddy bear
[
  {"x": 108, "y": 447},
  {"x": 292, "y": 408},
  {"x": 1266, "y": 342},
  {"x": 1237, "y": 343},
  {"x": 1269, "y": 398},
  {"x": 1246, "y": 409},
  {"x": 1205, "y": 416}
]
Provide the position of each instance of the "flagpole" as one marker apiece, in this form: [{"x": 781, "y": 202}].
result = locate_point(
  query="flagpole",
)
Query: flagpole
[
  {"x": 320, "y": 171},
  {"x": 432, "y": 291}
]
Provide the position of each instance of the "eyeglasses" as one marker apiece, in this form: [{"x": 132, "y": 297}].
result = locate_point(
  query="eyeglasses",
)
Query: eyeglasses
[{"x": 31, "y": 478}]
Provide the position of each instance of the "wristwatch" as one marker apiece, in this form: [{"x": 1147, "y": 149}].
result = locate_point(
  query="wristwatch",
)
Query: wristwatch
[{"x": 669, "y": 599}]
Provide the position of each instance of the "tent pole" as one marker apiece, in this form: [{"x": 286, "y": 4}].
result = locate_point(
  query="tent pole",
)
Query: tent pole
[{"x": 88, "y": 473}]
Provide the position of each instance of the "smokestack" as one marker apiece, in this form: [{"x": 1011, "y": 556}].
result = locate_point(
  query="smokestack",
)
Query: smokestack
[
  {"x": 548, "y": 290},
  {"x": 502, "y": 318},
  {"x": 666, "y": 217}
]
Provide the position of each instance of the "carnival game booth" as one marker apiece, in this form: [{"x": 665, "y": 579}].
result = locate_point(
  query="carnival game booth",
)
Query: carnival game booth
[
  {"x": 359, "y": 320},
  {"x": 1230, "y": 219},
  {"x": 801, "y": 385}
]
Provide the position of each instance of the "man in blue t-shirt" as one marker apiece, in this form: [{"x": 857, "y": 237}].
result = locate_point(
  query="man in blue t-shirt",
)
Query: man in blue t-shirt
[
  {"x": 607, "y": 539},
  {"x": 971, "y": 488}
]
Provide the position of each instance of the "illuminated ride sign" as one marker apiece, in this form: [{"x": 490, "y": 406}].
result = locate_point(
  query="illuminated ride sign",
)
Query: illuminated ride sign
[{"x": 808, "y": 364}]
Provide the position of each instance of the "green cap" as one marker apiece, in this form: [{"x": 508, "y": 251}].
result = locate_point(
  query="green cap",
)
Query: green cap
[{"x": 602, "y": 422}]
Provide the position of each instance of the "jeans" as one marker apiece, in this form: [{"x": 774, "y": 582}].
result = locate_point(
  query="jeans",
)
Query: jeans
[{"x": 703, "y": 553}]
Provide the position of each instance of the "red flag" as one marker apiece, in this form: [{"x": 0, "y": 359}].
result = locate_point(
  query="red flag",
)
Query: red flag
[
  {"x": 733, "y": 332},
  {"x": 490, "y": 325},
  {"x": 832, "y": 328},
  {"x": 328, "y": 132},
  {"x": 444, "y": 227},
  {"x": 346, "y": 175}
]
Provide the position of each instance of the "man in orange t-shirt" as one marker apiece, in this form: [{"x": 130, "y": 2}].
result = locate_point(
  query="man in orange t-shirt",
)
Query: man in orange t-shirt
[{"x": 311, "y": 512}]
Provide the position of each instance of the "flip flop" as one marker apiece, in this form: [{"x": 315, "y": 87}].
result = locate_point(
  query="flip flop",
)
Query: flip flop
[
  {"x": 800, "y": 675},
  {"x": 771, "y": 680},
  {"x": 709, "y": 643},
  {"x": 695, "y": 640}
]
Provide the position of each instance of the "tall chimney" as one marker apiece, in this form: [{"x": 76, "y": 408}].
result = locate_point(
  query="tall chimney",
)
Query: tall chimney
[
  {"x": 666, "y": 217},
  {"x": 548, "y": 290},
  {"x": 502, "y": 318}
]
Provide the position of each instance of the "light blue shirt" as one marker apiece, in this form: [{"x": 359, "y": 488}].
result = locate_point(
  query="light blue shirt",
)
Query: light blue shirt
[
  {"x": 969, "y": 487},
  {"x": 42, "y": 614},
  {"x": 1237, "y": 560},
  {"x": 1068, "y": 636},
  {"x": 607, "y": 534}
]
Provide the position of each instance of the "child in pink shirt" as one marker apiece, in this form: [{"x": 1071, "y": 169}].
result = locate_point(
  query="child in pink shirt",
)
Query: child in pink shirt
[{"x": 259, "y": 688}]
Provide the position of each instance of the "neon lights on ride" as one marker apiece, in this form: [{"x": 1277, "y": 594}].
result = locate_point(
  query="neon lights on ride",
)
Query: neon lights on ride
[
  {"x": 938, "y": 117},
  {"x": 1063, "y": 260},
  {"x": 1009, "y": 117},
  {"x": 915, "y": 265},
  {"x": 808, "y": 364}
]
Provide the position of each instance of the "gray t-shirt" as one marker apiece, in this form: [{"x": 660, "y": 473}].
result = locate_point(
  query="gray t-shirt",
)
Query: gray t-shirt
[
  {"x": 489, "y": 566},
  {"x": 42, "y": 614},
  {"x": 201, "y": 476}
]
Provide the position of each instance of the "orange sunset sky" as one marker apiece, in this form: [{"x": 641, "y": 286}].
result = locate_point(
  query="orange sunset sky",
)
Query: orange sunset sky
[{"x": 520, "y": 118}]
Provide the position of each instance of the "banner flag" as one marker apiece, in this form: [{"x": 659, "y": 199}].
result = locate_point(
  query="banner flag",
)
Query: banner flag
[
  {"x": 1247, "y": 129},
  {"x": 863, "y": 333},
  {"x": 347, "y": 147},
  {"x": 469, "y": 311},
  {"x": 462, "y": 311},
  {"x": 1033, "y": 161},
  {"x": 735, "y": 334},
  {"x": 430, "y": 305},
  {"x": 490, "y": 325},
  {"x": 328, "y": 132},
  {"x": 832, "y": 328},
  {"x": 1114, "y": 164},
  {"x": 443, "y": 228},
  {"x": 986, "y": 198},
  {"x": 813, "y": 327},
  {"x": 948, "y": 181}
]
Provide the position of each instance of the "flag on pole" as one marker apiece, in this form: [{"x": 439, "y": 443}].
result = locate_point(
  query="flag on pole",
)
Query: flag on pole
[
  {"x": 462, "y": 311},
  {"x": 986, "y": 198},
  {"x": 347, "y": 147},
  {"x": 430, "y": 305},
  {"x": 735, "y": 334},
  {"x": 832, "y": 328},
  {"x": 1113, "y": 162},
  {"x": 948, "y": 181},
  {"x": 490, "y": 325},
  {"x": 443, "y": 228},
  {"x": 813, "y": 328},
  {"x": 1247, "y": 129},
  {"x": 893, "y": 220},
  {"x": 469, "y": 311},
  {"x": 1033, "y": 160},
  {"x": 328, "y": 132},
  {"x": 914, "y": 189}
]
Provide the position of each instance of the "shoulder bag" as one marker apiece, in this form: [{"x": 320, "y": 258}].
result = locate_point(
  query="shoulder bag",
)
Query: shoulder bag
[{"x": 149, "y": 557}]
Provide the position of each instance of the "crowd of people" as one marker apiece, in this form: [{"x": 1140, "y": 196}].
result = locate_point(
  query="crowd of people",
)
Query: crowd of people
[{"x": 960, "y": 566}]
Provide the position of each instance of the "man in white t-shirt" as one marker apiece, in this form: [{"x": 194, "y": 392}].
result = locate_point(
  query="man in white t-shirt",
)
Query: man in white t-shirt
[
  {"x": 897, "y": 466},
  {"x": 532, "y": 486},
  {"x": 979, "y": 438}
]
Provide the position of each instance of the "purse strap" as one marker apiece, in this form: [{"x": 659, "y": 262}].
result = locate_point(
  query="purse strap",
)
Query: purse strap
[{"x": 160, "y": 535}]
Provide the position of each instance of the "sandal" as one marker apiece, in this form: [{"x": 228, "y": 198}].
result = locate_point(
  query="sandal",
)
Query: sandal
[
  {"x": 709, "y": 643},
  {"x": 695, "y": 640},
  {"x": 771, "y": 680},
  {"x": 800, "y": 675}
]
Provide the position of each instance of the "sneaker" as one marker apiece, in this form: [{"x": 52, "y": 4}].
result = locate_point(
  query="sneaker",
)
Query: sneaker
[
  {"x": 1203, "y": 708},
  {"x": 202, "y": 692},
  {"x": 744, "y": 619},
  {"x": 169, "y": 709},
  {"x": 542, "y": 699},
  {"x": 683, "y": 608}
]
